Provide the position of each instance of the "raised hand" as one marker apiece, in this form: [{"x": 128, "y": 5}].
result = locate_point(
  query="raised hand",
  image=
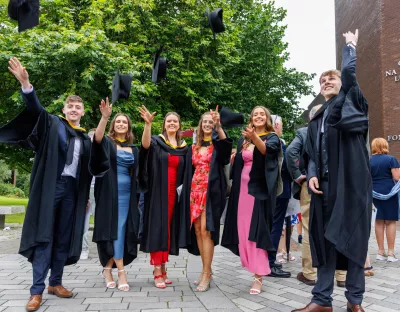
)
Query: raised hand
[
  {"x": 249, "y": 133},
  {"x": 215, "y": 117},
  {"x": 146, "y": 115},
  {"x": 105, "y": 108},
  {"x": 349, "y": 36},
  {"x": 20, "y": 72}
]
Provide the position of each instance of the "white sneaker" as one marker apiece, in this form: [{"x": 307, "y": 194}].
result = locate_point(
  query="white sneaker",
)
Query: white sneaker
[
  {"x": 392, "y": 259},
  {"x": 84, "y": 255},
  {"x": 381, "y": 257}
]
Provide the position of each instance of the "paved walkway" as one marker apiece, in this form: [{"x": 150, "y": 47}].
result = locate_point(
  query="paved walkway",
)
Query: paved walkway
[{"x": 229, "y": 290}]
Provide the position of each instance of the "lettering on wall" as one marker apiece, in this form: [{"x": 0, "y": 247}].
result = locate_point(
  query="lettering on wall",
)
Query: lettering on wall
[
  {"x": 393, "y": 73},
  {"x": 393, "y": 138}
]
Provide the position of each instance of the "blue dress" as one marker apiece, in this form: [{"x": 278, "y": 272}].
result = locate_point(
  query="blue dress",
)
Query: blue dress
[
  {"x": 382, "y": 182},
  {"x": 124, "y": 162}
]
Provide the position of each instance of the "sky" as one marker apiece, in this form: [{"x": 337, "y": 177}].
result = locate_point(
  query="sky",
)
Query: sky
[{"x": 311, "y": 26}]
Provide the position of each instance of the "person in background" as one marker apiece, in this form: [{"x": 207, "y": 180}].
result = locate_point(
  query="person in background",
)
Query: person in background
[
  {"x": 282, "y": 202},
  {"x": 384, "y": 171},
  {"x": 89, "y": 211}
]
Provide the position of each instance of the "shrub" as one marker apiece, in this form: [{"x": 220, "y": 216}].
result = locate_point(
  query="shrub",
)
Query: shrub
[{"x": 10, "y": 190}]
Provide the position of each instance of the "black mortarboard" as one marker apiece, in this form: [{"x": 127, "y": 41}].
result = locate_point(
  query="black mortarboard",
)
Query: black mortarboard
[
  {"x": 215, "y": 21},
  {"x": 230, "y": 119},
  {"x": 121, "y": 87},
  {"x": 26, "y": 12},
  {"x": 159, "y": 67}
]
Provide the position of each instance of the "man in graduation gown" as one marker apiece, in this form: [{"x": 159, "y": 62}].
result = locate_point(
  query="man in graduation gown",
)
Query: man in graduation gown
[
  {"x": 59, "y": 188},
  {"x": 340, "y": 180}
]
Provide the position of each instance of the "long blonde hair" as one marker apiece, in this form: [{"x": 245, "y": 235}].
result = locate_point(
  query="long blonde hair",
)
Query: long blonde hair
[
  {"x": 268, "y": 124},
  {"x": 178, "y": 135},
  {"x": 200, "y": 132}
]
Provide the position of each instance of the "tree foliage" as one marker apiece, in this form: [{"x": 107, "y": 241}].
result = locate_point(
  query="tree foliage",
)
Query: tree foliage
[{"x": 80, "y": 44}]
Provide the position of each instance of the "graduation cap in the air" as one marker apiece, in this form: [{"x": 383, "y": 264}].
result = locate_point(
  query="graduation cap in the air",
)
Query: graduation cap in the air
[
  {"x": 215, "y": 21},
  {"x": 121, "y": 86},
  {"x": 159, "y": 67},
  {"x": 230, "y": 119},
  {"x": 26, "y": 12}
]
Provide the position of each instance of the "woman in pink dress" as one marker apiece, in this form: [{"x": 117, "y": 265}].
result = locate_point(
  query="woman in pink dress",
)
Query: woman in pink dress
[
  {"x": 204, "y": 192},
  {"x": 251, "y": 204}
]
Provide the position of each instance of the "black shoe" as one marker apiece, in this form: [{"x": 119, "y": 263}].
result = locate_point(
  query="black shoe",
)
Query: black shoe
[
  {"x": 300, "y": 239},
  {"x": 276, "y": 265},
  {"x": 278, "y": 272}
]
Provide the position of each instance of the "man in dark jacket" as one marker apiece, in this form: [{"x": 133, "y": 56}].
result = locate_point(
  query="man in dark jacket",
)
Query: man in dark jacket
[
  {"x": 59, "y": 190},
  {"x": 340, "y": 180},
  {"x": 296, "y": 160},
  {"x": 282, "y": 202}
]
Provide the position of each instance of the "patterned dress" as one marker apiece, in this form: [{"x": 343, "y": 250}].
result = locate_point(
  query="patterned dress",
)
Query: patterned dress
[{"x": 201, "y": 160}]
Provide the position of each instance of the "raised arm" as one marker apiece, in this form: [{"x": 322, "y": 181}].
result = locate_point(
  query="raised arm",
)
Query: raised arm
[
  {"x": 148, "y": 118},
  {"x": 349, "y": 58},
  {"x": 106, "y": 110},
  {"x": 31, "y": 101}
]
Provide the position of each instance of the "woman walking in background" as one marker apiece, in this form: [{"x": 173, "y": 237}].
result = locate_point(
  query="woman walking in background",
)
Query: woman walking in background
[
  {"x": 384, "y": 171},
  {"x": 252, "y": 200},
  {"x": 161, "y": 172},
  {"x": 204, "y": 191},
  {"x": 114, "y": 162}
]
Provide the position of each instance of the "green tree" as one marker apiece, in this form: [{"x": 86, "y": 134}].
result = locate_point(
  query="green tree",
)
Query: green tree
[{"x": 80, "y": 44}]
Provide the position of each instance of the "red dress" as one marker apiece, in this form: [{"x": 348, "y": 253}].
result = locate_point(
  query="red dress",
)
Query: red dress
[
  {"x": 160, "y": 257},
  {"x": 201, "y": 160}
]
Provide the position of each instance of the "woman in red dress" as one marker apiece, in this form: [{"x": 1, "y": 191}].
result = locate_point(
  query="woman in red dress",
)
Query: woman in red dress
[
  {"x": 207, "y": 189},
  {"x": 161, "y": 170}
]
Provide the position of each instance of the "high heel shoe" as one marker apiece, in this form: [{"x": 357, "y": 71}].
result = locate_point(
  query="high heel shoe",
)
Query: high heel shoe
[
  {"x": 109, "y": 284},
  {"x": 255, "y": 291},
  {"x": 197, "y": 282},
  {"x": 159, "y": 285},
  {"x": 166, "y": 280},
  {"x": 121, "y": 286},
  {"x": 204, "y": 287}
]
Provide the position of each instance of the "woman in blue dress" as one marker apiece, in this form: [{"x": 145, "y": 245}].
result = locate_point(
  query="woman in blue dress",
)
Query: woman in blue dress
[
  {"x": 114, "y": 164},
  {"x": 385, "y": 171}
]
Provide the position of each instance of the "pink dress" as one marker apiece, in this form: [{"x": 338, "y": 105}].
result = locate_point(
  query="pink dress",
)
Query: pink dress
[{"x": 254, "y": 259}]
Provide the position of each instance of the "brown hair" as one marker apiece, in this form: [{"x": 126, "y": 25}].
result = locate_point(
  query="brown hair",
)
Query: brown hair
[
  {"x": 178, "y": 135},
  {"x": 129, "y": 135},
  {"x": 73, "y": 98},
  {"x": 268, "y": 125},
  {"x": 200, "y": 132},
  {"x": 331, "y": 72},
  {"x": 379, "y": 146}
]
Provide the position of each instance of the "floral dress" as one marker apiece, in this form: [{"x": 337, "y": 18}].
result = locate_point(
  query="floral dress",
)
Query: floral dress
[{"x": 201, "y": 160}]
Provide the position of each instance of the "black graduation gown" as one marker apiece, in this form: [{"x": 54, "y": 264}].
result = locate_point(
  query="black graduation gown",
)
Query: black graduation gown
[
  {"x": 350, "y": 188},
  {"x": 103, "y": 165},
  {"x": 216, "y": 194},
  {"x": 40, "y": 133},
  {"x": 153, "y": 180},
  {"x": 263, "y": 186}
]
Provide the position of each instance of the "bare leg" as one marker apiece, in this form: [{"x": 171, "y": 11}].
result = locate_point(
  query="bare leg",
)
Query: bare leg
[
  {"x": 107, "y": 273},
  {"x": 299, "y": 228},
  {"x": 121, "y": 274},
  {"x": 207, "y": 253},
  {"x": 197, "y": 229},
  {"x": 257, "y": 285},
  {"x": 379, "y": 233},
  {"x": 390, "y": 235}
]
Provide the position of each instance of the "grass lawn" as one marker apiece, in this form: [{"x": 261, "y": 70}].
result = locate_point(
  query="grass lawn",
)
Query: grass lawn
[
  {"x": 15, "y": 218},
  {"x": 19, "y": 217}
]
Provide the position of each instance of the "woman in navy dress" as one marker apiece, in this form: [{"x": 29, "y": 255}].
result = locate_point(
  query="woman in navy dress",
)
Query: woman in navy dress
[
  {"x": 384, "y": 171},
  {"x": 114, "y": 162}
]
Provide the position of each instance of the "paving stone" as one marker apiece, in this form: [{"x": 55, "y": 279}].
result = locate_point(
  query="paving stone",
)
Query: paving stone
[
  {"x": 107, "y": 306},
  {"x": 189, "y": 304},
  {"x": 248, "y": 304}
]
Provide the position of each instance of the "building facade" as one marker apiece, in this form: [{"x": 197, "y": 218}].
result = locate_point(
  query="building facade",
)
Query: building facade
[{"x": 378, "y": 61}]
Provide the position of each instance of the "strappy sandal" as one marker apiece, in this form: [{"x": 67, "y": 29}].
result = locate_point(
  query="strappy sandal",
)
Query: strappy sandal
[
  {"x": 255, "y": 291},
  {"x": 121, "y": 286},
  {"x": 166, "y": 280},
  {"x": 202, "y": 287},
  {"x": 197, "y": 282},
  {"x": 280, "y": 259},
  {"x": 109, "y": 284},
  {"x": 159, "y": 285},
  {"x": 289, "y": 256},
  {"x": 368, "y": 271}
]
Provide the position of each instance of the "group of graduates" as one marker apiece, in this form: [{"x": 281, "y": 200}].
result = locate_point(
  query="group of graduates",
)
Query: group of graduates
[{"x": 185, "y": 186}]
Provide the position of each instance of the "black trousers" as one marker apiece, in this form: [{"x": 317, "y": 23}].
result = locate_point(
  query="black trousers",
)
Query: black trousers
[
  {"x": 54, "y": 255},
  {"x": 277, "y": 226},
  {"x": 355, "y": 279}
]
